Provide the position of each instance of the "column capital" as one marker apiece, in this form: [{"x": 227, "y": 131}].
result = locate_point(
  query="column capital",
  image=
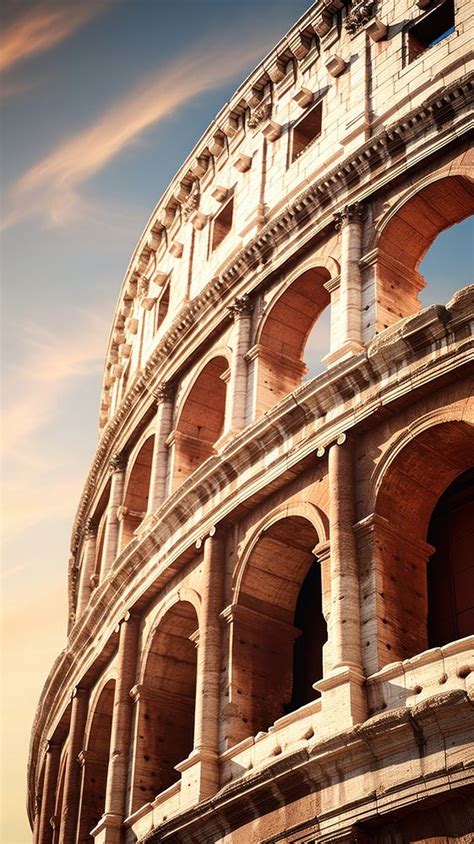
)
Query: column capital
[
  {"x": 128, "y": 616},
  {"x": 165, "y": 391},
  {"x": 79, "y": 692},
  {"x": 241, "y": 307},
  {"x": 118, "y": 462},
  {"x": 352, "y": 213}
]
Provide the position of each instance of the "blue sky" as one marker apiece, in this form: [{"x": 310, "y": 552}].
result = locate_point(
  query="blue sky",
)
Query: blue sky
[{"x": 101, "y": 103}]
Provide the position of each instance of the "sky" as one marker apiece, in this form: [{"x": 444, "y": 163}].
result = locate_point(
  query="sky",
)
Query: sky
[{"x": 101, "y": 101}]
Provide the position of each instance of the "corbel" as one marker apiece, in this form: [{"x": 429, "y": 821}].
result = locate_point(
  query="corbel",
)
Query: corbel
[
  {"x": 300, "y": 44},
  {"x": 198, "y": 220},
  {"x": 230, "y": 126},
  {"x": 272, "y": 130},
  {"x": 276, "y": 70},
  {"x": 323, "y": 23},
  {"x": 176, "y": 249},
  {"x": 242, "y": 162},
  {"x": 304, "y": 97},
  {"x": 376, "y": 30},
  {"x": 199, "y": 166},
  {"x": 125, "y": 350},
  {"x": 335, "y": 65},
  {"x": 160, "y": 278},
  {"x": 220, "y": 193},
  {"x": 216, "y": 144}
]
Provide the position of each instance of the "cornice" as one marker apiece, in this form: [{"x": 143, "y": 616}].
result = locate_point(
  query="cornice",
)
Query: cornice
[
  {"x": 322, "y": 197},
  {"x": 398, "y": 363}
]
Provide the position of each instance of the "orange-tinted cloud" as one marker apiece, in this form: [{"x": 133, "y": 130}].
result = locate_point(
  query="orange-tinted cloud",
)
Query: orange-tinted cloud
[
  {"x": 41, "y": 27},
  {"x": 50, "y": 188}
]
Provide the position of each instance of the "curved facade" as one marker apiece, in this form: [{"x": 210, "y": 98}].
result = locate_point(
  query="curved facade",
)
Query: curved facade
[{"x": 271, "y": 622}]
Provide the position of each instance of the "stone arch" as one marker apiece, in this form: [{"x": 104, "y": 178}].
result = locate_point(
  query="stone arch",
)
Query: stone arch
[
  {"x": 95, "y": 760},
  {"x": 421, "y": 465},
  {"x": 200, "y": 419},
  {"x": 137, "y": 488},
  {"x": 165, "y": 701},
  {"x": 284, "y": 330},
  {"x": 303, "y": 509},
  {"x": 276, "y": 645},
  {"x": 406, "y": 232}
]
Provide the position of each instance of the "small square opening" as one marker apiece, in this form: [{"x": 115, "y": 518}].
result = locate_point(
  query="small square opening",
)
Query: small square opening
[
  {"x": 432, "y": 28},
  {"x": 306, "y": 131},
  {"x": 222, "y": 223}
]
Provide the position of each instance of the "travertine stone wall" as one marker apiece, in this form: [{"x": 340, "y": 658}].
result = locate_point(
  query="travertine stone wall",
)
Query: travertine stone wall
[{"x": 249, "y": 642}]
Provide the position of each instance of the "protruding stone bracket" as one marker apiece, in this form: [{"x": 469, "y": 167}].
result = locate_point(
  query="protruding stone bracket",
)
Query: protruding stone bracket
[
  {"x": 304, "y": 97},
  {"x": 335, "y": 65}
]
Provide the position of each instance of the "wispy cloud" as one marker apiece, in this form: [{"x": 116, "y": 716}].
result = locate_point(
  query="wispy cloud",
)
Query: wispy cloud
[
  {"x": 41, "y": 27},
  {"x": 50, "y": 189},
  {"x": 39, "y": 386},
  {"x": 52, "y": 362}
]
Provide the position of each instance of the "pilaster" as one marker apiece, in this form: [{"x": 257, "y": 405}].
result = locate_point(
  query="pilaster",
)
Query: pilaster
[
  {"x": 112, "y": 529},
  {"x": 69, "y": 809}
]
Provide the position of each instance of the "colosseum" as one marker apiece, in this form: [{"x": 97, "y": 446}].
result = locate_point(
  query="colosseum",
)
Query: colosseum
[{"x": 270, "y": 585}]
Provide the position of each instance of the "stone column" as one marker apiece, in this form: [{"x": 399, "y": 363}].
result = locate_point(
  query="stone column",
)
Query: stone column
[
  {"x": 53, "y": 756},
  {"x": 163, "y": 426},
  {"x": 108, "y": 830},
  {"x": 349, "y": 222},
  {"x": 236, "y": 403},
  {"x": 200, "y": 773},
  {"x": 88, "y": 566},
  {"x": 69, "y": 809},
  {"x": 343, "y": 699},
  {"x": 112, "y": 528},
  {"x": 345, "y": 604}
]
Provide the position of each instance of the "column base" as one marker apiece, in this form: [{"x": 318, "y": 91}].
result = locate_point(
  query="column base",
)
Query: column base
[
  {"x": 343, "y": 699},
  {"x": 108, "y": 830},
  {"x": 199, "y": 777}
]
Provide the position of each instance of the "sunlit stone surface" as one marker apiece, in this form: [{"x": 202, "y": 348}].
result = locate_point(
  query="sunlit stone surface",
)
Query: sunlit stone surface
[{"x": 271, "y": 607}]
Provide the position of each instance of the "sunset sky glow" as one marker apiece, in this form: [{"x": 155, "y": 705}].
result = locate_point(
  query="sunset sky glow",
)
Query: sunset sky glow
[{"x": 102, "y": 101}]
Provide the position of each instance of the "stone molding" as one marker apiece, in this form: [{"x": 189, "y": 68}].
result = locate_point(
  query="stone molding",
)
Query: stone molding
[
  {"x": 367, "y": 370},
  {"x": 310, "y": 202}
]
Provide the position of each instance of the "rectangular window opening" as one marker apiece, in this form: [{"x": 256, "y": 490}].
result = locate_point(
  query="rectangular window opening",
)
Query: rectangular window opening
[
  {"x": 222, "y": 223},
  {"x": 162, "y": 306},
  {"x": 431, "y": 29},
  {"x": 306, "y": 131}
]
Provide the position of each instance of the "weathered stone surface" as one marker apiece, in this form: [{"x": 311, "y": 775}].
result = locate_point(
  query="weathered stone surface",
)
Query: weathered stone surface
[{"x": 257, "y": 651}]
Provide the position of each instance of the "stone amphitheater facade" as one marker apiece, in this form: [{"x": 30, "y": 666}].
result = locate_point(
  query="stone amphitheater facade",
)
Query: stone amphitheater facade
[{"x": 271, "y": 611}]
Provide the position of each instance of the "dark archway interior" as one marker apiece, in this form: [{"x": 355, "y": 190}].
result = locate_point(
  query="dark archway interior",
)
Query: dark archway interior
[
  {"x": 308, "y": 647},
  {"x": 451, "y": 567}
]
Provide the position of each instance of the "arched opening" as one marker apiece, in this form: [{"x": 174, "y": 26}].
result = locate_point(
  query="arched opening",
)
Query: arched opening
[
  {"x": 308, "y": 646},
  {"x": 283, "y": 338},
  {"x": 443, "y": 275},
  {"x": 451, "y": 566},
  {"x": 404, "y": 540},
  {"x": 201, "y": 420},
  {"x": 165, "y": 722},
  {"x": 406, "y": 238},
  {"x": 278, "y": 627},
  {"x": 95, "y": 764},
  {"x": 137, "y": 492}
]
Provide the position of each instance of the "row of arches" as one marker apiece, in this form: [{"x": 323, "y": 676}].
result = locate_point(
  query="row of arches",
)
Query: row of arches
[
  {"x": 278, "y": 637},
  {"x": 286, "y": 335}
]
